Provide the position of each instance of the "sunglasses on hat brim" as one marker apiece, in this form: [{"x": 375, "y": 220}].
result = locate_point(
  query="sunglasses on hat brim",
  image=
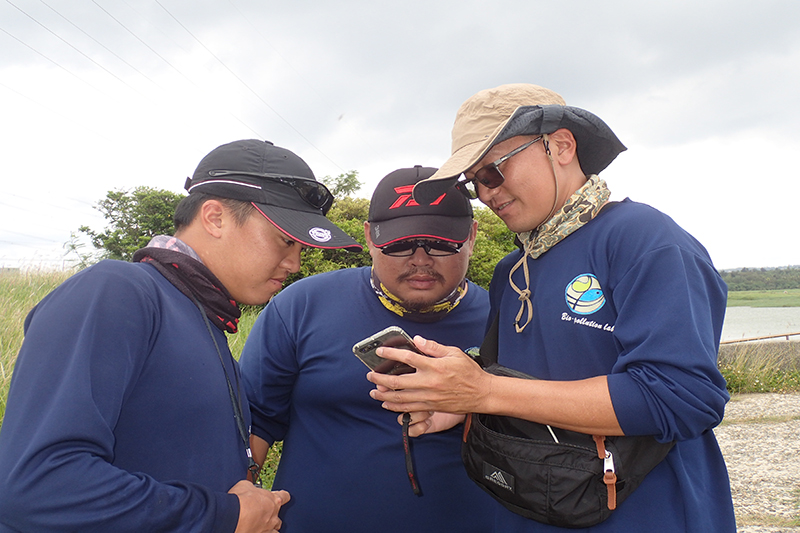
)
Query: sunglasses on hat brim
[{"x": 311, "y": 191}]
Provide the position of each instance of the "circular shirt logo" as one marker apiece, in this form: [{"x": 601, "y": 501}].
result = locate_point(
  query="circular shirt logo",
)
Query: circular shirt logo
[
  {"x": 320, "y": 234},
  {"x": 584, "y": 295}
]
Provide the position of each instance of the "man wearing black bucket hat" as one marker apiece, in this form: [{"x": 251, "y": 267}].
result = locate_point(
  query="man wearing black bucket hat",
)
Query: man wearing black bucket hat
[
  {"x": 125, "y": 411},
  {"x": 343, "y": 457},
  {"x": 616, "y": 309}
]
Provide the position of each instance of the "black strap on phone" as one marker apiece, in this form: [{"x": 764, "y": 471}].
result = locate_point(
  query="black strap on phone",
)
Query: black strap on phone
[{"x": 409, "y": 461}]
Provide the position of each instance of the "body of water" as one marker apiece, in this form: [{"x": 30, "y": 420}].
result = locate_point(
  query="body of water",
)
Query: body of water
[{"x": 748, "y": 322}]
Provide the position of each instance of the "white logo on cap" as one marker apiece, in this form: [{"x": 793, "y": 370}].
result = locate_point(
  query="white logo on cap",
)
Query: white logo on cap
[{"x": 320, "y": 234}]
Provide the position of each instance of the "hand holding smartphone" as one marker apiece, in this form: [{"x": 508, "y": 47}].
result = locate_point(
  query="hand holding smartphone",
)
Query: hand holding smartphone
[{"x": 391, "y": 337}]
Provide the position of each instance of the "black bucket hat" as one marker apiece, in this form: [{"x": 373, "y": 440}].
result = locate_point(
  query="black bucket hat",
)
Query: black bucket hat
[
  {"x": 495, "y": 115},
  {"x": 278, "y": 183}
]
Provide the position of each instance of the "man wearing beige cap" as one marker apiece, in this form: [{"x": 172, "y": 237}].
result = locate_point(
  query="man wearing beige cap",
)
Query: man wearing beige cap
[{"x": 611, "y": 305}]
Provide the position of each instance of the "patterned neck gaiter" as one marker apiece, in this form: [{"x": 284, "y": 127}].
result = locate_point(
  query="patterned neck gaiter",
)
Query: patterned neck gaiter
[{"x": 580, "y": 208}]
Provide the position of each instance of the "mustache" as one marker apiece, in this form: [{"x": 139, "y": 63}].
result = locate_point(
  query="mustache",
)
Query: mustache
[{"x": 416, "y": 271}]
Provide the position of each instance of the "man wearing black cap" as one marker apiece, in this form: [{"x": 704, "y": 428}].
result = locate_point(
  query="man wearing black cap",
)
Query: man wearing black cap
[
  {"x": 125, "y": 411},
  {"x": 616, "y": 309},
  {"x": 343, "y": 457}
]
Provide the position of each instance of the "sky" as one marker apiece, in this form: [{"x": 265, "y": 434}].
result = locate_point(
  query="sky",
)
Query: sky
[{"x": 100, "y": 95}]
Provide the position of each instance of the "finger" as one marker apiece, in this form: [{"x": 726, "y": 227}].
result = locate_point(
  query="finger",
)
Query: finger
[
  {"x": 434, "y": 349},
  {"x": 417, "y": 417},
  {"x": 419, "y": 429},
  {"x": 404, "y": 407},
  {"x": 400, "y": 401},
  {"x": 385, "y": 382},
  {"x": 419, "y": 424},
  {"x": 398, "y": 354}
]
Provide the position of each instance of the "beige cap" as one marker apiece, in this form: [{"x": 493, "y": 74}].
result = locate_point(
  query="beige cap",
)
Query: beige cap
[
  {"x": 494, "y": 115},
  {"x": 481, "y": 119}
]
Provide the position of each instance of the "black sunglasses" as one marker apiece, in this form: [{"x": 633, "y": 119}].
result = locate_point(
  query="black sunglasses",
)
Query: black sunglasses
[
  {"x": 311, "y": 191},
  {"x": 432, "y": 248},
  {"x": 489, "y": 175}
]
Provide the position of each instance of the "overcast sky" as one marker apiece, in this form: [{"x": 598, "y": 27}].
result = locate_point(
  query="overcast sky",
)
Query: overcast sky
[{"x": 98, "y": 95}]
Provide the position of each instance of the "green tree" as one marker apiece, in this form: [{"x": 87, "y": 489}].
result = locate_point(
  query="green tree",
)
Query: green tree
[
  {"x": 134, "y": 217},
  {"x": 343, "y": 184},
  {"x": 762, "y": 279},
  {"x": 493, "y": 242}
]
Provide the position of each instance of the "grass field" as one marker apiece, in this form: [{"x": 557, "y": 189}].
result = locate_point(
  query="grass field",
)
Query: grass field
[
  {"x": 788, "y": 298},
  {"x": 18, "y": 294}
]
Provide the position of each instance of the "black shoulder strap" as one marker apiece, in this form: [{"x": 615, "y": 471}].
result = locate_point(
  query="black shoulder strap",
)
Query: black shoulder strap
[
  {"x": 487, "y": 357},
  {"x": 489, "y": 348}
]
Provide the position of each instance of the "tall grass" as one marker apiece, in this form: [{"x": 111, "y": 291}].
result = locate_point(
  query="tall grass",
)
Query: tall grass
[
  {"x": 19, "y": 292},
  {"x": 761, "y": 366}
]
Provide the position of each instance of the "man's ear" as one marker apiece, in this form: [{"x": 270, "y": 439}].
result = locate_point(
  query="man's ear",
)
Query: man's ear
[
  {"x": 473, "y": 233},
  {"x": 366, "y": 234},
  {"x": 212, "y": 215},
  {"x": 566, "y": 148}
]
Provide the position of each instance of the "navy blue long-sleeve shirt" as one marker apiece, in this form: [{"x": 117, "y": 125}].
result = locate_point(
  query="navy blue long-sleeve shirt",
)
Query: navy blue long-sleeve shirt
[{"x": 118, "y": 416}]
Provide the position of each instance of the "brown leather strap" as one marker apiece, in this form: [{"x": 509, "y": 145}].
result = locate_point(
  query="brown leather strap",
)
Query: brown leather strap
[
  {"x": 610, "y": 479},
  {"x": 609, "y": 475},
  {"x": 600, "y": 442}
]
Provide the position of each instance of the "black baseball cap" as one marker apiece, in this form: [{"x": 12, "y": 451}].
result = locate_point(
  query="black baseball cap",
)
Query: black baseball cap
[
  {"x": 278, "y": 183},
  {"x": 395, "y": 216}
]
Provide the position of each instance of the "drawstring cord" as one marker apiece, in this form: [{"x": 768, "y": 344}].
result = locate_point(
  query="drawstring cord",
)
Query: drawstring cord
[
  {"x": 525, "y": 295},
  {"x": 579, "y": 209}
]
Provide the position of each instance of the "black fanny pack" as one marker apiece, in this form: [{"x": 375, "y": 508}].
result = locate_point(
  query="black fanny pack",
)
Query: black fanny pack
[{"x": 548, "y": 474}]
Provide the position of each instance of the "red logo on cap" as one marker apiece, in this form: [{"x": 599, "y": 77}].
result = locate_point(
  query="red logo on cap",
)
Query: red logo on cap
[{"x": 405, "y": 194}]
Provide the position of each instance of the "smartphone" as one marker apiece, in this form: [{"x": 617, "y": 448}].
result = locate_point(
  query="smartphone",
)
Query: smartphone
[{"x": 391, "y": 337}]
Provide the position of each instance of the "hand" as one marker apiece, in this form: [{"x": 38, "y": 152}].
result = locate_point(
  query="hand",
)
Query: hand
[
  {"x": 258, "y": 508},
  {"x": 423, "y": 422},
  {"x": 448, "y": 381}
]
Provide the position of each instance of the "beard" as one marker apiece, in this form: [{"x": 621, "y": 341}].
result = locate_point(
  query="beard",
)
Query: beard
[{"x": 418, "y": 304}]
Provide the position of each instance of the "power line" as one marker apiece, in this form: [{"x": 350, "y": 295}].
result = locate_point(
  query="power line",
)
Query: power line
[
  {"x": 79, "y": 78},
  {"x": 258, "y": 96},
  {"x": 71, "y": 46},
  {"x": 165, "y": 60},
  {"x": 29, "y": 236},
  {"x": 310, "y": 86},
  {"x": 102, "y": 45},
  {"x": 23, "y": 43},
  {"x": 157, "y": 54},
  {"x": 38, "y": 201}
]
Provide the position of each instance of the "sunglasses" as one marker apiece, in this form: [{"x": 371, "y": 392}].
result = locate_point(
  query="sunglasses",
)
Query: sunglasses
[
  {"x": 432, "y": 248},
  {"x": 311, "y": 191},
  {"x": 489, "y": 175}
]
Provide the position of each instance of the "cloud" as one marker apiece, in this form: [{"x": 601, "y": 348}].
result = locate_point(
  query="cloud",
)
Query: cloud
[{"x": 118, "y": 93}]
